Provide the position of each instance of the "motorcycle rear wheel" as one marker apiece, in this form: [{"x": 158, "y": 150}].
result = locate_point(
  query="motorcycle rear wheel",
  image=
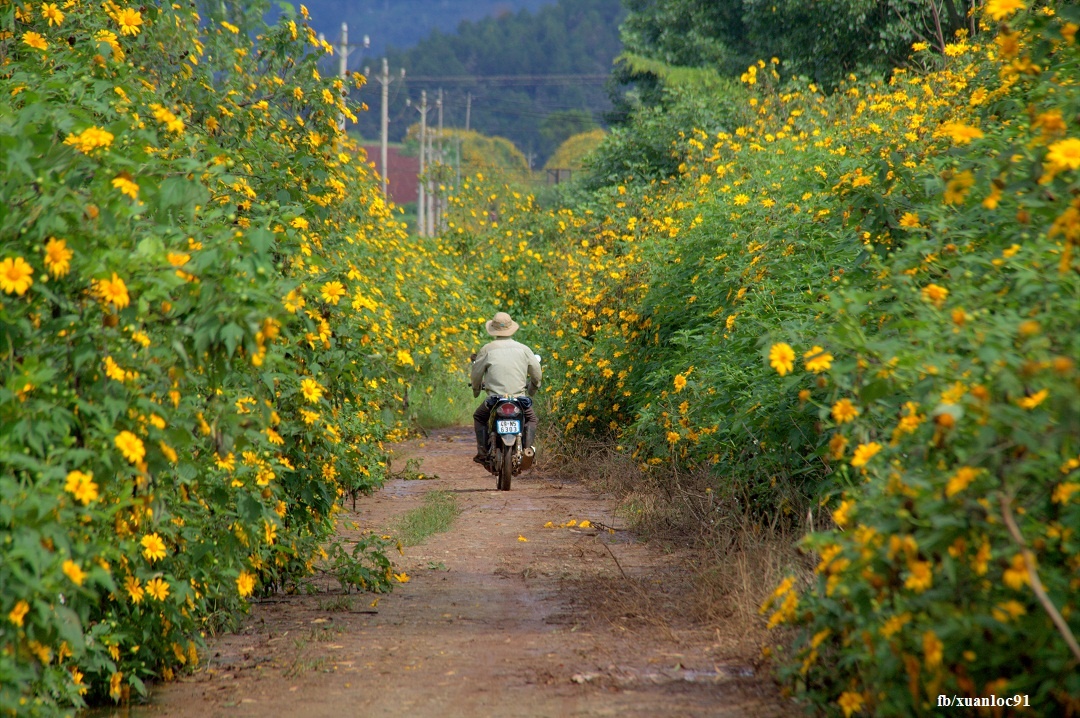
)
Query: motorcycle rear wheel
[{"x": 506, "y": 468}]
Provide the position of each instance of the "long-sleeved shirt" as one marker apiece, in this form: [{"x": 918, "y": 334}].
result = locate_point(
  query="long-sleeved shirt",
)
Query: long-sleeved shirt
[{"x": 505, "y": 367}]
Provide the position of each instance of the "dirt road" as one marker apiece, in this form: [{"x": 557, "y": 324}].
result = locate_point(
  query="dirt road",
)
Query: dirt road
[{"x": 500, "y": 617}]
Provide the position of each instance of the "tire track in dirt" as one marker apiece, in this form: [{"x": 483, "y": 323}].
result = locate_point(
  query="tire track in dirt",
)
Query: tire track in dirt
[{"x": 488, "y": 625}]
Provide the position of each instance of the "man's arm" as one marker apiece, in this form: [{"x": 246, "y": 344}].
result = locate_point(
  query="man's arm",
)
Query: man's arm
[
  {"x": 479, "y": 367},
  {"x": 535, "y": 373}
]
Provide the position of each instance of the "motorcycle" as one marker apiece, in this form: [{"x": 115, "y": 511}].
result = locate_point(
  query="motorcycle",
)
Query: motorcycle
[{"x": 507, "y": 454}]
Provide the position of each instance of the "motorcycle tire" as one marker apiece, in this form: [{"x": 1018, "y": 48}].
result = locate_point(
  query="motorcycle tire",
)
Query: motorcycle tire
[{"x": 506, "y": 468}]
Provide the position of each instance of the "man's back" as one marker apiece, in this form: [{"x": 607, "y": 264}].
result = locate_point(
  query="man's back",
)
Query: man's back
[{"x": 504, "y": 367}]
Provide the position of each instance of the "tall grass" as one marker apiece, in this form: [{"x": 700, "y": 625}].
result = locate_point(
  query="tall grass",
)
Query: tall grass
[{"x": 446, "y": 400}]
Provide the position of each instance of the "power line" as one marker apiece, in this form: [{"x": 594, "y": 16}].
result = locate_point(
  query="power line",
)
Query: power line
[{"x": 511, "y": 79}]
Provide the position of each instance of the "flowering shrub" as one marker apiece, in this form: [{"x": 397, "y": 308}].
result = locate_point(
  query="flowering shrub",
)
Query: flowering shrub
[
  {"x": 207, "y": 317},
  {"x": 867, "y": 301},
  {"x": 954, "y": 417}
]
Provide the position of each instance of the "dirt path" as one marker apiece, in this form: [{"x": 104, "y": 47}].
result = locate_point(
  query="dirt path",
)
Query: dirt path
[{"x": 568, "y": 622}]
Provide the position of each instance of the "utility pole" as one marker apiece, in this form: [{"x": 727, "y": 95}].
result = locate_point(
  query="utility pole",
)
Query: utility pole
[
  {"x": 343, "y": 68},
  {"x": 438, "y": 193},
  {"x": 421, "y": 205},
  {"x": 384, "y": 79},
  {"x": 385, "y": 125},
  {"x": 430, "y": 187}
]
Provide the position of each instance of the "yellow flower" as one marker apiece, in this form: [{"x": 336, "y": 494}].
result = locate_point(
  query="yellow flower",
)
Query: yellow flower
[
  {"x": 680, "y": 383},
  {"x": 245, "y": 584},
  {"x": 113, "y": 291},
  {"x": 934, "y": 294},
  {"x": 153, "y": 547},
  {"x": 910, "y": 220},
  {"x": 157, "y": 588},
  {"x": 299, "y": 223},
  {"x": 74, "y": 572},
  {"x": 844, "y": 411},
  {"x": 1064, "y": 491},
  {"x": 960, "y": 480},
  {"x": 168, "y": 452},
  {"x": 77, "y": 679},
  {"x": 932, "y": 648},
  {"x": 782, "y": 358},
  {"x": 960, "y": 133},
  {"x": 1030, "y": 402},
  {"x": 673, "y": 437},
  {"x": 16, "y": 276},
  {"x": 957, "y": 188},
  {"x": 404, "y": 357},
  {"x": 920, "y": 576},
  {"x": 1001, "y": 9},
  {"x": 126, "y": 186},
  {"x": 522, "y": 539},
  {"x": 402, "y": 577},
  {"x": 865, "y": 452},
  {"x": 851, "y": 703},
  {"x": 333, "y": 292},
  {"x": 894, "y": 624},
  {"x": 817, "y": 360},
  {"x": 19, "y": 612},
  {"x": 57, "y": 257},
  {"x": 130, "y": 446},
  {"x": 840, "y": 514},
  {"x": 114, "y": 685},
  {"x": 34, "y": 40},
  {"x": 166, "y": 117},
  {"x": 90, "y": 139},
  {"x": 1008, "y": 610},
  {"x": 228, "y": 463},
  {"x": 129, "y": 20},
  {"x": 81, "y": 486},
  {"x": 837, "y": 446},
  {"x": 311, "y": 390},
  {"x": 134, "y": 589},
  {"x": 109, "y": 38},
  {"x": 1016, "y": 576},
  {"x": 50, "y": 12},
  {"x": 741, "y": 199}
]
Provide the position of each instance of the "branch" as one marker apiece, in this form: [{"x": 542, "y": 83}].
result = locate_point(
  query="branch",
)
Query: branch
[{"x": 1033, "y": 577}]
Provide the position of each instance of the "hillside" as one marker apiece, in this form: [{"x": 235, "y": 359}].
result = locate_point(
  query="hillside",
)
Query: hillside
[
  {"x": 517, "y": 54},
  {"x": 404, "y": 23}
]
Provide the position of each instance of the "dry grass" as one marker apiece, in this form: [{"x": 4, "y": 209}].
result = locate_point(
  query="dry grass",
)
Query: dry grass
[{"x": 729, "y": 560}]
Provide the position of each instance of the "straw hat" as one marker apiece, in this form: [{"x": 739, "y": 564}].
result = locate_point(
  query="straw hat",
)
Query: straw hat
[{"x": 501, "y": 325}]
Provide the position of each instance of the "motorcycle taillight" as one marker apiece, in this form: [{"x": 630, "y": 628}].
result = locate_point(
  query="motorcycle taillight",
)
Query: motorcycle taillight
[{"x": 508, "y": 409}]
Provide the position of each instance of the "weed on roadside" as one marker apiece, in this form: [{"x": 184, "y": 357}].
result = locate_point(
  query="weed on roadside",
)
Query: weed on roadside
[{"x": 436, "y": 515}]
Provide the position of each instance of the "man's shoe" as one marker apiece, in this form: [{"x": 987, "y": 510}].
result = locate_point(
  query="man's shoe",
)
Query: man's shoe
[{"x": 480, "y": 458}]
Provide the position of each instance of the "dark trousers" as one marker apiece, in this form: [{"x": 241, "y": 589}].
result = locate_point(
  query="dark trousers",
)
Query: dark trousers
[{"x": 483, "y": 413}]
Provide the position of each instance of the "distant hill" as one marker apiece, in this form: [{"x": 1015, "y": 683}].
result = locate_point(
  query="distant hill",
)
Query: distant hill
[
  {"x": 541, "y": 75},
  {"x": 402, "y": 23}
]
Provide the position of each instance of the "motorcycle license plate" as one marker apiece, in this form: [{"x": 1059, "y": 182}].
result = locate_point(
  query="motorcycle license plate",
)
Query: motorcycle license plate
[{"x": 508, "y": 426}]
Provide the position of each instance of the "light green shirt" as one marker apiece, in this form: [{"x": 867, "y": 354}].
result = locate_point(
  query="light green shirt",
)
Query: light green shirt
[{"x": 505, "y": 367}]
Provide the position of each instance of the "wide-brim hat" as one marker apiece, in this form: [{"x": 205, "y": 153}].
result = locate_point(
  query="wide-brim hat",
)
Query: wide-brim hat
[{"x": 501, "y": 325}]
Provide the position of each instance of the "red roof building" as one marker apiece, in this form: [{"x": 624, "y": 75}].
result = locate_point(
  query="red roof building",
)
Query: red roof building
[{"x": 401, "y": 173}]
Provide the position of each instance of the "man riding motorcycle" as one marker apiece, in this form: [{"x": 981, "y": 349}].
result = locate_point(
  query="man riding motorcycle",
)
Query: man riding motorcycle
[{"x": 504, "y": 367}]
